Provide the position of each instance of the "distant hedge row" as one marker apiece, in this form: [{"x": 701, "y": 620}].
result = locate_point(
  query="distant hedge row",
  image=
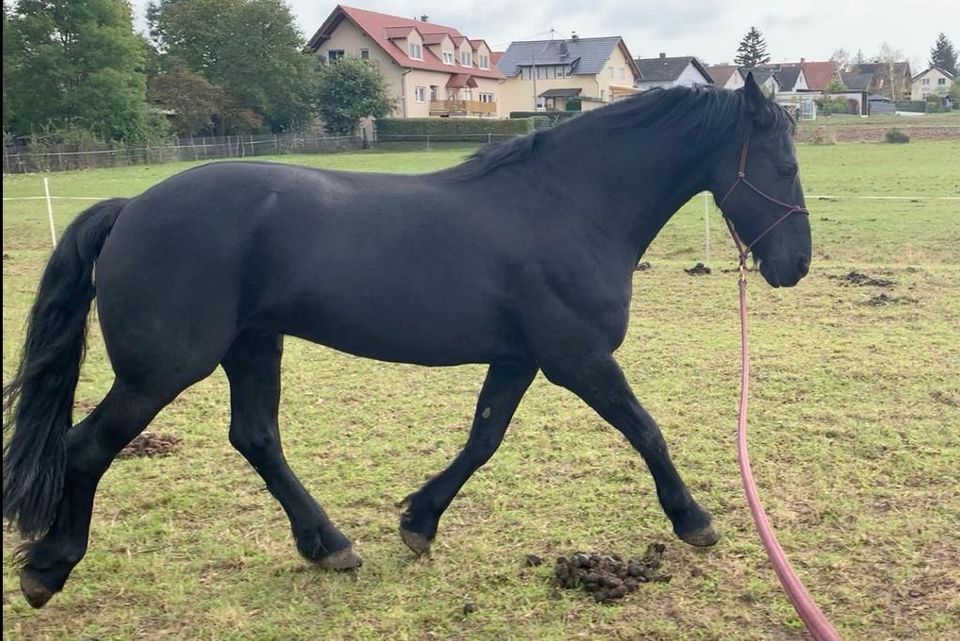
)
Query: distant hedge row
[{"x": 452, "y": 129}]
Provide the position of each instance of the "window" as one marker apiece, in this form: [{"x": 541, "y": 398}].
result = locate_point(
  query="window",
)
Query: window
[
  {"x": 415, "y": 52},
  {"x": 448, "y": 57},
  {"x": 466, "y": 58},
  {"x": 364, "y": 54},
  {"x": 434, "y": 92},
  {"x": 466, "y": 93},
  {"x": 526, "y": 73},
  {"x": 484, "y": 62},
  {"x": 941, "y": 81},
  {"x": 420, "y": 94},
  {"x": 486, "y": 97},
  {"x": 334, "y": 54},
  {"x": 926, "y": 81}
]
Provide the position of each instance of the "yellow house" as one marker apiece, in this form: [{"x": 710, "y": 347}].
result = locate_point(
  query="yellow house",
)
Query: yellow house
[
  {"x": 432, "y": 70},
  {"x": 934, "y": 81},
  {"x": 547, "y": 74}
]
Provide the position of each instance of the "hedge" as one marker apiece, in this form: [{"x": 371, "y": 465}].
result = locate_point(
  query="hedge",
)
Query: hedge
[
  {"x": 555, "y": 117},
  {"x": 451, "y": 129}
]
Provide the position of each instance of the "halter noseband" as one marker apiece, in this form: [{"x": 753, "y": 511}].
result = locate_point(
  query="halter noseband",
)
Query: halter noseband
[{"x": 742, "y": 247}]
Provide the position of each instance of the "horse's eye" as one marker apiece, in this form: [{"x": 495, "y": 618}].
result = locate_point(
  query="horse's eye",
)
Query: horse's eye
[{"x": 788, "y": 171}]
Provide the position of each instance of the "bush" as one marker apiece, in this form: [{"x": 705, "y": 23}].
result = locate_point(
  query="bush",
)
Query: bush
[
  {"x": 451, "y": 129},
  {"x": 896, "y": 136},
  {"x": 555, "y": 117}
]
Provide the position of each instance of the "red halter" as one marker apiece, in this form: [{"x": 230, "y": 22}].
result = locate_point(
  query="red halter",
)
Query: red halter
[{"x": 743, "y": 248}]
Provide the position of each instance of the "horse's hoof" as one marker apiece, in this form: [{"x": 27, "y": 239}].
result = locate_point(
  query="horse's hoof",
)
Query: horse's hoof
[
  {"x": 702, "y": 538},
  {"x": 416, "y": 542},
  {"x": 345, "y": 559},
  {"x": 35, "y": 592}
]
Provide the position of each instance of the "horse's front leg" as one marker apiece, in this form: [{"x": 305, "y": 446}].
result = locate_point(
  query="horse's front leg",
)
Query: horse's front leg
[
  {"x": 598, "y": 380},
  {"x": 502, "y": 390}
]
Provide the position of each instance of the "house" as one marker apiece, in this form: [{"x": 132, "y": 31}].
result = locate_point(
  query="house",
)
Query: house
[
  {"x": 671, "y": 72},
  {"x": 766, "y": 78},
  {"x": 816, "y": 76},
  {"x": 555, "y": 74},
  {"x": 932, "y": 82},
  {"x": 891, "y": 79},
  {"x": 726, "y": 76},
  {"x": 431, "y": 69}
]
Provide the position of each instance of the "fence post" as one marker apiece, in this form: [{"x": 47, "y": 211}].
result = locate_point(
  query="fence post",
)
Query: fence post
[
  {"x": 428, "y": 142},
  {"x": 53, "y": 230}
]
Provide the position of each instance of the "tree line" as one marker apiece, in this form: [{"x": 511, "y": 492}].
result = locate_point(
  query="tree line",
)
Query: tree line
[{"x": 77, "y": 68}]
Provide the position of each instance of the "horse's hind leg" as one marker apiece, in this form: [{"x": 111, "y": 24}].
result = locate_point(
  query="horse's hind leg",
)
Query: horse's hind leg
[
  {"x": 253, "y": 367},
  {"x": 91, "y": 447},
  {"x": 505, "y": 385}
]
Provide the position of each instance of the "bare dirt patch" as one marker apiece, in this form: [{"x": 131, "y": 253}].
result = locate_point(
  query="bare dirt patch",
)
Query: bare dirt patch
[
  {"x": 608, "y": 577},
  {"x": 643, "y": 266},
  {"x": 863, "y": 280},
  {"x": 150, "y": 444},
  {"x": 883, "y": 299}
]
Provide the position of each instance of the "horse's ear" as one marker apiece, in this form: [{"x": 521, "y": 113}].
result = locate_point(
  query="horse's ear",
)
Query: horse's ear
[{"x": 756, "y": 101}]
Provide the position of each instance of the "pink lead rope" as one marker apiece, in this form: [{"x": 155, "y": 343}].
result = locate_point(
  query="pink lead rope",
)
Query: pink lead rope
[{"x": 815, "y": 621}]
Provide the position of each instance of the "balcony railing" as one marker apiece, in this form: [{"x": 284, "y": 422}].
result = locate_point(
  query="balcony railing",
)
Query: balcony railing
[{"x": 462, "y": 108}]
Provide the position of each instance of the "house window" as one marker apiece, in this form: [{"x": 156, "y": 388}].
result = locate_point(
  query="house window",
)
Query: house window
[
  {"x": 941, "y": 81},
  {"x": 466, "y": 93},
  {"x": 415, "y": 52},
  {"x": 420, "y": 94},
  {"x": 434, "y": 92},
  {"x": 486, "y": 97},
  {"x": 334, "y": 54},
  {"x": 484, "y": 62},
  {"x": 364, "y": 54},
  {"x": 448, "y": 57},
  {"x": 926, "y": 81},
  {"x": 466, "y": 58}
]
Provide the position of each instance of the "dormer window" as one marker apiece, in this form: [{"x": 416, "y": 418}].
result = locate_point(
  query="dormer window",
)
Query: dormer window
[
  {"x": 448, "y": 57},
  {"x": 415, "y": 51},
  {"x": 466, "y": 58},
  {"x": 484, "y": 62}
]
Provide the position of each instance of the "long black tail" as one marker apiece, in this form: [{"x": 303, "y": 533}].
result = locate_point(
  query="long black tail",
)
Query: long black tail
[{"x": 38, "y": 402}]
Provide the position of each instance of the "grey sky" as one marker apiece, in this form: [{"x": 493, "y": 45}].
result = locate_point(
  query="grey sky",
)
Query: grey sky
[{"x": 812, "y": 29}]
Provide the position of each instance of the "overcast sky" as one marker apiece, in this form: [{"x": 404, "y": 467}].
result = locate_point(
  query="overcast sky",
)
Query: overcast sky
[{"x": 710, "y": 30}]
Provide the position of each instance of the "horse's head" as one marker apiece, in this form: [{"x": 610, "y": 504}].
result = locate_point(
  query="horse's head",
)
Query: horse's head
[{"x": 757, "y": 187}]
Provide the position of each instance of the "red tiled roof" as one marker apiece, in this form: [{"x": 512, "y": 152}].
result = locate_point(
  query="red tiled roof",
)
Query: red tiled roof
[
  {"x": 433, "y": 38},
  {"x": 495, "y": 57},
  {"x": 818, "y": 74},
  {"x": 380, "y": 26}
]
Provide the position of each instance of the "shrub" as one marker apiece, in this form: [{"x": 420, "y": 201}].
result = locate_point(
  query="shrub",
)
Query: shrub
[
  {"x": 452, "y": 129},
  {"x": 555, "y": 117},
  {"x": 896, "y": 136}
]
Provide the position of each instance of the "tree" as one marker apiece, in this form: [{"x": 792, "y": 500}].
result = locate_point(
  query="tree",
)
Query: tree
[
  {"x": 892, "y": 77},
  {"x": 251, "y": 48},
  {"x": 351, "y": 89},
  {"x": 859, "y": 59},
  {"x": 944, "y": 55},
  {"x": 197, "y": 106},
  {"x": 836, "y": 86},
  {"x": 841, "y": 59},
  {"x": 752, "y": 50},
  {"x": 76, "y": 63}
]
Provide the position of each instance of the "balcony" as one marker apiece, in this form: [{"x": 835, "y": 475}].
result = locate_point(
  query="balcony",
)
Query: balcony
[{"x": 462, "y": 108}]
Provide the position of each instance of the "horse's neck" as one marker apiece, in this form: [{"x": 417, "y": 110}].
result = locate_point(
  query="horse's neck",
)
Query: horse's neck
[{"x": 634, "y": 190}]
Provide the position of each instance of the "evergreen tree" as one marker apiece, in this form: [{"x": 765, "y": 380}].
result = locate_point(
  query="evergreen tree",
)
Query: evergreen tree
[
  {"x": 752, "y": 50},
  {"x": 76, "y": 63},
  {"x": 943, "y": 55}
]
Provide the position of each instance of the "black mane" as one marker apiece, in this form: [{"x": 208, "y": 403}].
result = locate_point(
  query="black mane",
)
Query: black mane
[{"x": 708, "y": 113}]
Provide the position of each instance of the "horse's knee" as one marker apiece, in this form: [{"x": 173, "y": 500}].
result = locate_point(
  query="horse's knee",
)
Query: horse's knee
[{"x": 254, "y": 445}]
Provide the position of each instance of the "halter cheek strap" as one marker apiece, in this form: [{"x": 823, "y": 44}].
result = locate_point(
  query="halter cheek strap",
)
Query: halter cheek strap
[{"x": 744, "y": 248}]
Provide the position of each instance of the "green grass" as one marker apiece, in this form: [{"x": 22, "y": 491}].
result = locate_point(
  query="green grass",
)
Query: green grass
[{"x": 854, "y": 428}]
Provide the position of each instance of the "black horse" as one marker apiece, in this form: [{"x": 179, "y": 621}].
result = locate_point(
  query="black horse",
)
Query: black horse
[{"x": 521, "y": 257}]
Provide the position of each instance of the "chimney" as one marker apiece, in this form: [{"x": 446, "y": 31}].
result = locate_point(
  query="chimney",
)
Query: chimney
[
  {"x": 424, "y": 18},
  {"x": 564, "y": 52},
  {"x": 574, "y": 36},
  {"x": 802, "y": 60},
  {"x": 663, "y": 55}
]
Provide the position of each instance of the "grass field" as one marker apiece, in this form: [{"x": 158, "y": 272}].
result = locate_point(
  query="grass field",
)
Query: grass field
[{"x": 855, "y": 441}]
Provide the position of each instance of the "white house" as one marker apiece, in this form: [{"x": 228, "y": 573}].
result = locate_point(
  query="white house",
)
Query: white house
[
  {"x": 671, "y": 72},
  {"x": 934, "y": 81}
]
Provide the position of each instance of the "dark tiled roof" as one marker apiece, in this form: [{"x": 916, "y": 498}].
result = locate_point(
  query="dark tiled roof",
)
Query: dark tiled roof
[
  {"x": 760, "y": 74},
  {"x": 667, "y": 69},
  {"x": 588, "y": 55},
  {"x": 856, "y": 81},
  {"x": 788, "y": 77}
]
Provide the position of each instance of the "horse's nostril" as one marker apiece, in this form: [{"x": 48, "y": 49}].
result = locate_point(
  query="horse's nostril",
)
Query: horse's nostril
[{"x": 804, "y": 265}]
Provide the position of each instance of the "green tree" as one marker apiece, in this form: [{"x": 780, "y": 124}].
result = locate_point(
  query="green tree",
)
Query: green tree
[
  {"x": 944, "y": 55},
  {"x": 251, "y": 48},
  {"x": 955, "y": 94},
  {"x": 836, "y": 86},
  {"x": 76, "y": 63},
  {"x": 351, "y": 89},
  {"x": 752, "y": 50},
  {"x": 197, "y": 106}
]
